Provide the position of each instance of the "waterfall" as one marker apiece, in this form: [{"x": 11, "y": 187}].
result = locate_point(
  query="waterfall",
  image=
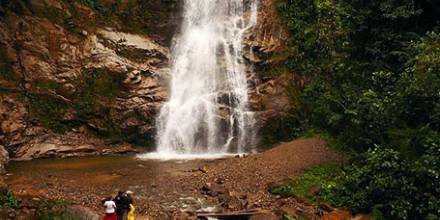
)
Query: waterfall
[{"x": 207, "y": 111}]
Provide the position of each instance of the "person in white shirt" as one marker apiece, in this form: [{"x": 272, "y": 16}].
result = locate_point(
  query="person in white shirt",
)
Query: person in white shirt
[{"x": 110, "y": 209}]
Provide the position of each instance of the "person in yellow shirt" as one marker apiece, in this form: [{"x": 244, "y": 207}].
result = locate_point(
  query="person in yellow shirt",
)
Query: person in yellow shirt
[
  {"x": 130, "y": 215},
  {"x": 131, "y": 212}
]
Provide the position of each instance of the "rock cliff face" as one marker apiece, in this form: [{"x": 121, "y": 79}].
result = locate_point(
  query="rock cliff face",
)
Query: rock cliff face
[
  {"x": 73, "y": 83},
  {"x": 72, "y": 92}
]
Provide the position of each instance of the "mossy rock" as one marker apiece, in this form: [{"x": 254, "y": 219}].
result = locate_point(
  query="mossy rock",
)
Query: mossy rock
[{"x": 6, "y": 70}]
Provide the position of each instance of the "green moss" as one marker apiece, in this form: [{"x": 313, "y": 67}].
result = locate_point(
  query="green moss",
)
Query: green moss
[
  {"x": 48, "y": 111},
  {"x": 322, "y": 176},
  {"x": 55, "y": 210},
  {"x": 6, "y": 70},
  {"x": 47, "y": 85},
  {"x": 101, "y": 82},
  {"x": 99, "y": 87}
]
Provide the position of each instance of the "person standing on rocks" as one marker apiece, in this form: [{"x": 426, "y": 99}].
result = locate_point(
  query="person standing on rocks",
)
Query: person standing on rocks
[
  {"x": 122, "y": 205},
  {"x": 131, "y": 211},
  {"x": 110, "y": 207}
]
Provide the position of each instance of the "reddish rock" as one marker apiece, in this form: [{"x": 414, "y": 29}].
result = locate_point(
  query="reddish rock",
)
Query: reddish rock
[
  {"x": 53, "y": 55},
  {"x": 289, "y": 211},
  {"x": 337, "y": 215},
  {"x": 362, "y": 217},
  {"x": 315, "y": 189}
]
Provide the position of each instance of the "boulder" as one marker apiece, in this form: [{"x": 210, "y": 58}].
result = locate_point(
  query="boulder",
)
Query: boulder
[
  {"x": 337, "y": 215},
  {"x": 362, "y": 217},
  {"x": 290, "y": 211},
  {"x": 213, "y": 189}
]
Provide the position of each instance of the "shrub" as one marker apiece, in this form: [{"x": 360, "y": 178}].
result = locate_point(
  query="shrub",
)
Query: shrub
[
  {"x": 377, "y": 177},
  {"x": 55, "y": 210},
  {"x": 380, "y": 181},
  {"x": 374, "y": 68},
  {"x": 320, "y": 177},
  {"x": 8, "y": 199},
  {"x": 427, "y": 179}
]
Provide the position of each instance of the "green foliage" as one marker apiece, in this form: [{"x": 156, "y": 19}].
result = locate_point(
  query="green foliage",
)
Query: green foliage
[
  {"x": 381, "y": 181},
  {"x": 317, "y": 35},
  {"x": 375, "y": 70},
  {"x": 427, "y": 180},
  {"x": 379, "y": 177},
  {"x": 8, "y": 199},
  {"x": 282, "y": 129},
  {"x": 55, "y": 210},
  {"x": 320, "y": 177},
  {"x": 376, "y": 78}
]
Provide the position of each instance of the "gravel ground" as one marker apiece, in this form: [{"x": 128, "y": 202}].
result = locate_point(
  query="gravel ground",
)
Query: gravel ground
[{"x": 164, "y": 187}]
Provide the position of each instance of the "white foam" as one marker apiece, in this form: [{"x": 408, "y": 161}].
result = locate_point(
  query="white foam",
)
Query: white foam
[
  {"x": 176, "y": 156},
  {"x": 208, "y": 107}
]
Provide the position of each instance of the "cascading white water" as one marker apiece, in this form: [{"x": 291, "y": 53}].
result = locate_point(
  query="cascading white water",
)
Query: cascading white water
[{"x": 207, "y": 111}]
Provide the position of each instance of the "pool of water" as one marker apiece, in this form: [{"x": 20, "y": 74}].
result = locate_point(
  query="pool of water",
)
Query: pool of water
[{"x": 159, "y": 186}]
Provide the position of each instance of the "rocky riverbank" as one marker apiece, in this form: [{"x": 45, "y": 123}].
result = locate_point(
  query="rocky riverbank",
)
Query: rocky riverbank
[{"x": 164, "y": 189}]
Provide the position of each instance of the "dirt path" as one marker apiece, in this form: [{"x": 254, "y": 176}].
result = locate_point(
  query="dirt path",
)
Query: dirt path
[{"x": 162, "y": 188}]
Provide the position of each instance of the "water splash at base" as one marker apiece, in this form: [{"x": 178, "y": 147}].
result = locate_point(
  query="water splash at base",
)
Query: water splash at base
[{"x": 166, "y": 156}]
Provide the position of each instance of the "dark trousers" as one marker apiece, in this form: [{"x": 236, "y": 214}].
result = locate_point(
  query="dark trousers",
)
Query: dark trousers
[{"x": 120, "y": 214}]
